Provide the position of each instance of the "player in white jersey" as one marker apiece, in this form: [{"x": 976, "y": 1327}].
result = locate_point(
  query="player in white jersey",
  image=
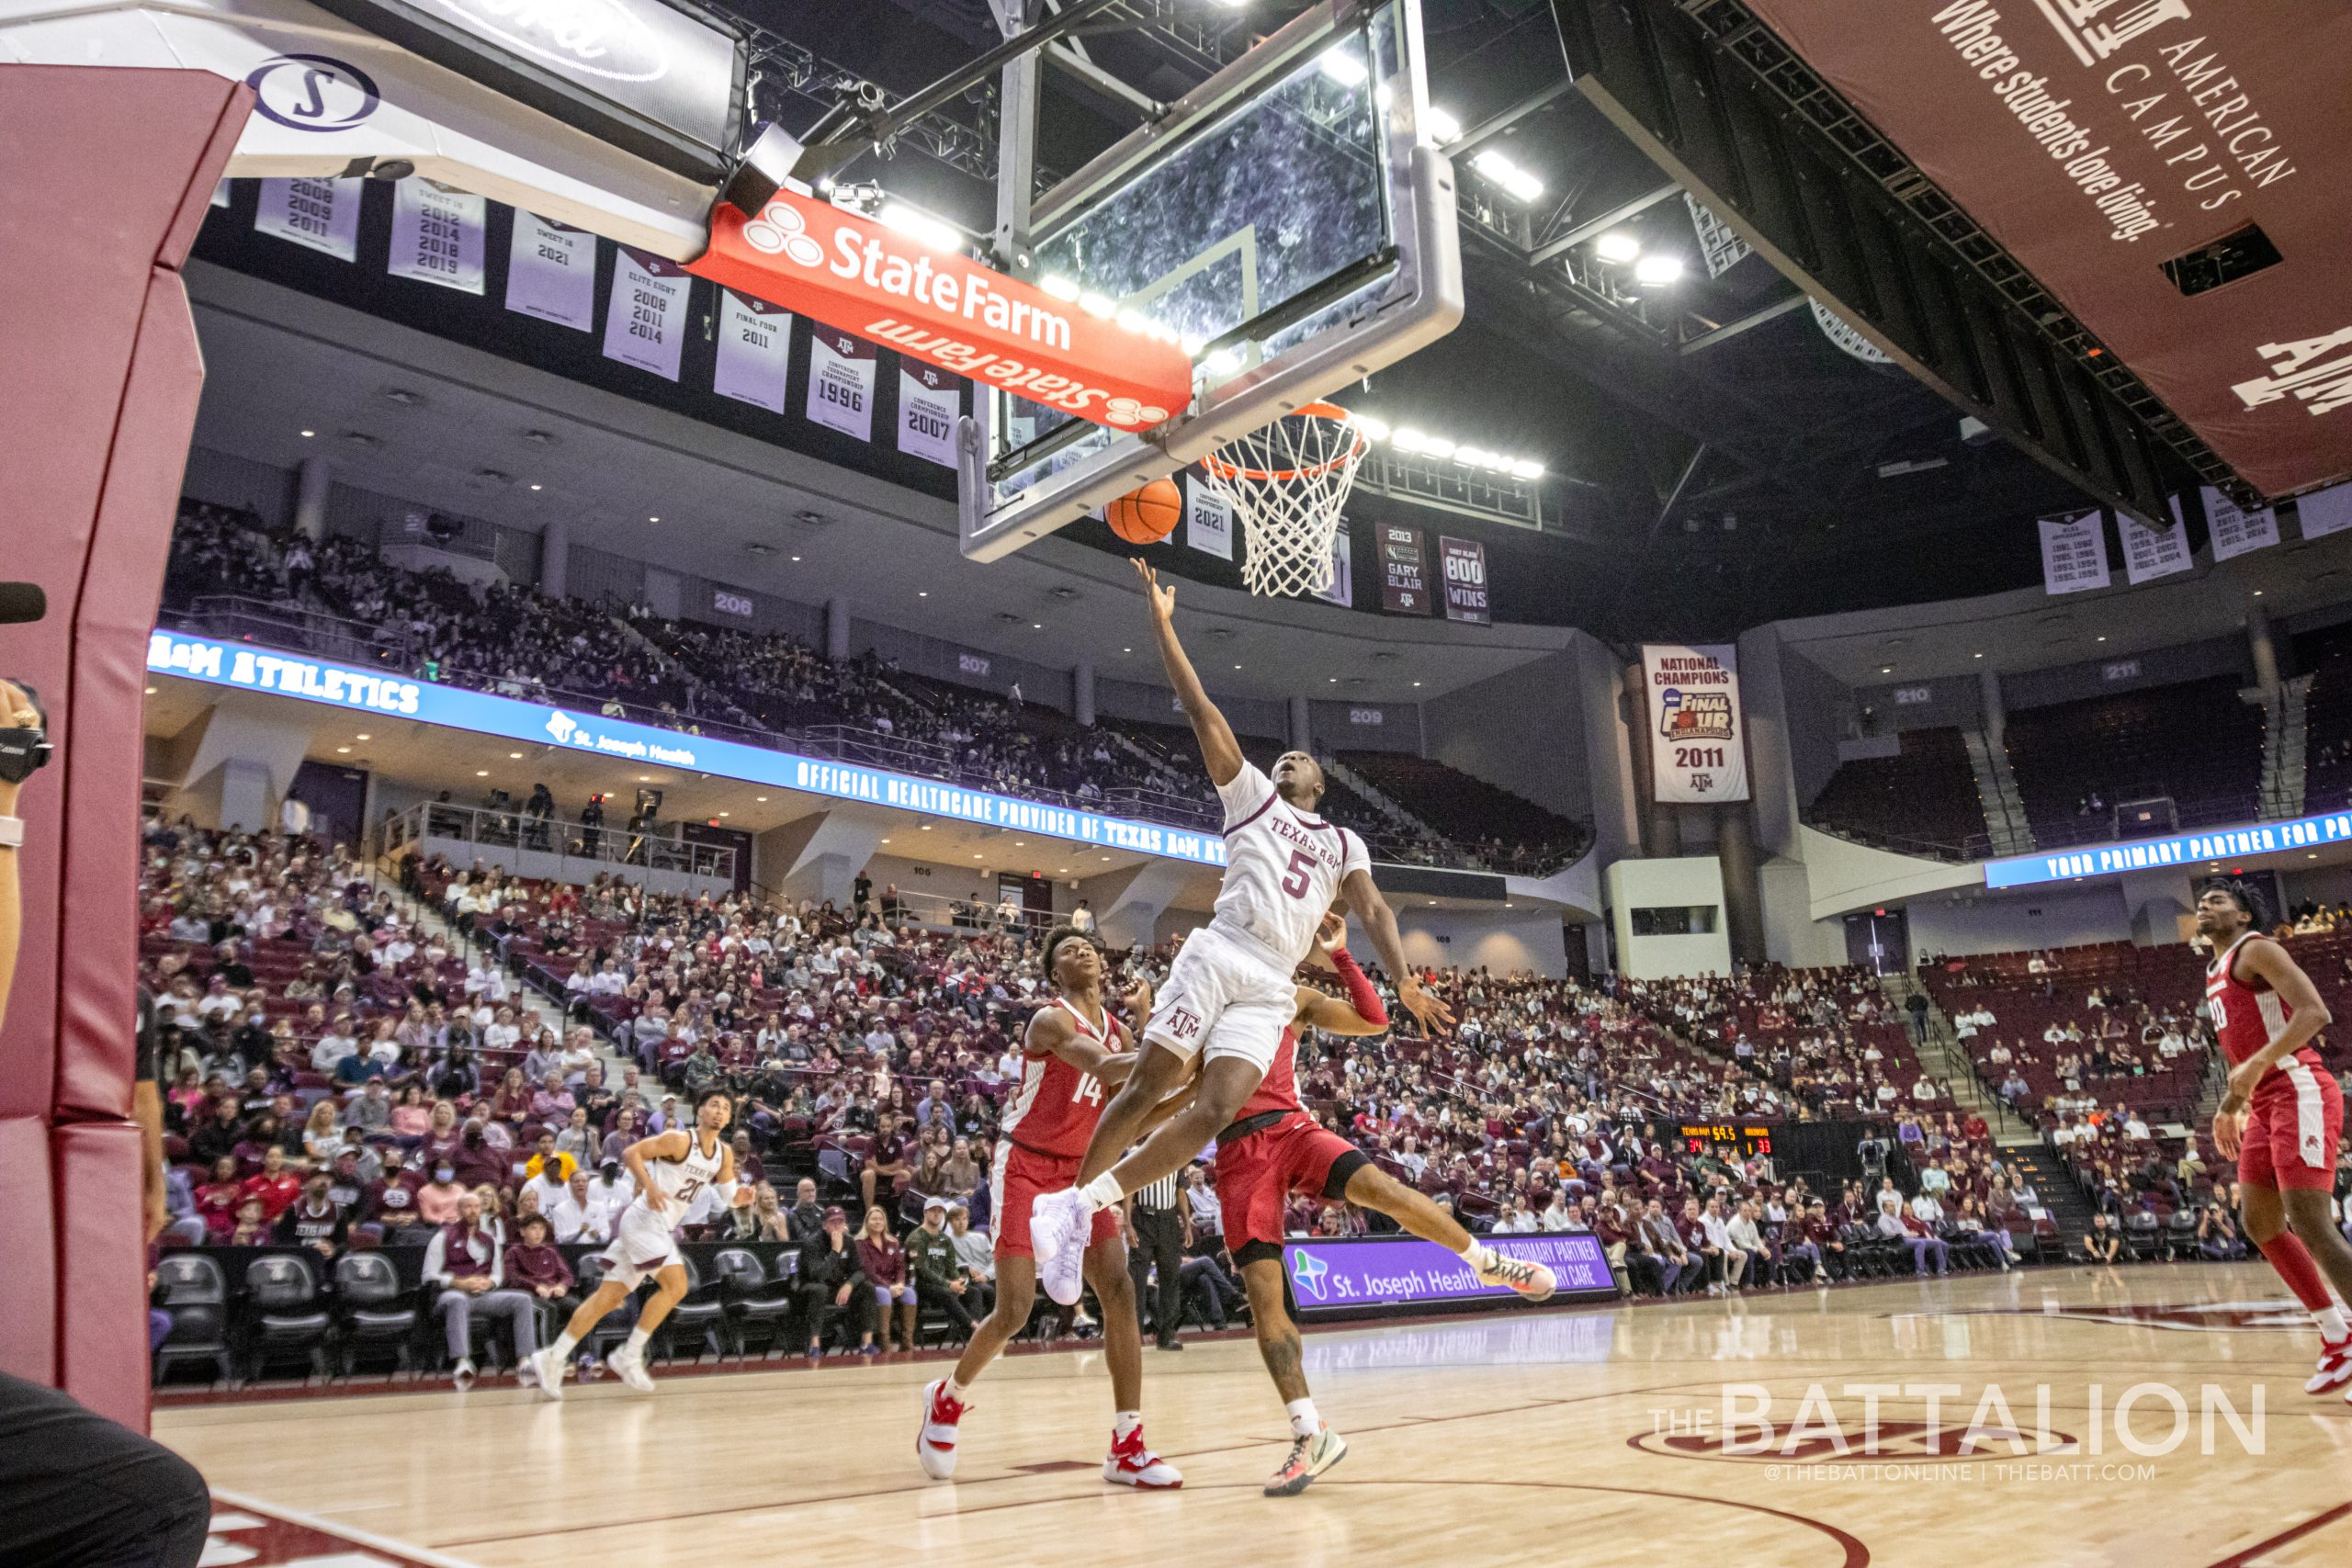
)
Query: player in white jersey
[
  {"x": 671, "y": 1170},
  {"x": 1230, "y": 994}
]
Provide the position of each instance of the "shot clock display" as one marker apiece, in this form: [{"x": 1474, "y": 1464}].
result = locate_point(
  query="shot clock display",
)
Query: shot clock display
[{"x": 1733, "y": 1139}]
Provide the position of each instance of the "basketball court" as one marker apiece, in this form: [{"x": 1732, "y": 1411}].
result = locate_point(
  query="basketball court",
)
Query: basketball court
[{"x": 1523, "y": 1437}]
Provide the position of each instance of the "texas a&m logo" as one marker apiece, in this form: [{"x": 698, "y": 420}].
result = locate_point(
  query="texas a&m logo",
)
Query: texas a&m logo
[
  {"x": 2094, "y": 29},
  {"x": 1184, "y": 1024},
  {"x": 2315, "y": 371}
]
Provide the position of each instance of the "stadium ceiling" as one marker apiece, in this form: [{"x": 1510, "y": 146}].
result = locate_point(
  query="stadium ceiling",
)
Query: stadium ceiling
[{"x": 1721, "y": 461}]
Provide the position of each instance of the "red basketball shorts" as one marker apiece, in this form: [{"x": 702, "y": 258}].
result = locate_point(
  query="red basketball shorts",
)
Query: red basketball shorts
[
  {"x": 1013, "y": 1185},
  {"x": 2292, "y": 1129},
  {"x": 1257, "y": 1174}
]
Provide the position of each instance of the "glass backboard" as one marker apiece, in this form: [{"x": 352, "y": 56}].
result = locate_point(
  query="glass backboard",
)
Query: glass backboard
[{"x": 1288, "y": 222}]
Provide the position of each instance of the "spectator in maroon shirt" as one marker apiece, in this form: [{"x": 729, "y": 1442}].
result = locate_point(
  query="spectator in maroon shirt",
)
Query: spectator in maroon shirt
[
  {"x": 218, "y": 1198},
  {"x": 442, "y": 1139},
  {"x": 533, "y": 1263},
  {"x": 884, "y": 1263},
  {"x": 313, "y": 1221},
  {"x": 479, "y": 1162},
  {"x": 513, "y": 1102},
  {"x": 273, "y": 1184}
]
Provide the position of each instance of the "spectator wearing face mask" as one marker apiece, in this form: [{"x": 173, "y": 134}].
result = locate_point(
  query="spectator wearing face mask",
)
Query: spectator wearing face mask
[{"x": 438, "y": 1200}]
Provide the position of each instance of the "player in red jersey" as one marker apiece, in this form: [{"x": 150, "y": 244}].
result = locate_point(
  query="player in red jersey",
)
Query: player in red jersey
[
  {"x": 1073, "y": 1049},
  {"x": 1273, "y": 1148},
  {"x": 2282, "y": 1116}
]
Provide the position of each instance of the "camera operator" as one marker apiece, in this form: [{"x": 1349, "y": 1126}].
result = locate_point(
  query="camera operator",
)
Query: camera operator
[{"x": 74, "y": 1487}]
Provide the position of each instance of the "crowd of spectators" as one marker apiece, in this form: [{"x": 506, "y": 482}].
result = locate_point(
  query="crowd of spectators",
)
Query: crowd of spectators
[{"x": 766, "y": 688}]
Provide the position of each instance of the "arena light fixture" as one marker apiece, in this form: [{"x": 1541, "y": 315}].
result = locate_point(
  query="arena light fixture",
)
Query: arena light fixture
[
  {"x": 307, "y": 433},
  {"x": 1498, "y": 167},
  {"x": 340, "y": 751},
  {"x": 1340, "y": 65},
  {"x": 151, "y": 690},
  {"x": 1444, "y": 127},
  {"x": 534, "y": 487},
  {"x": 1436, "y": 447},
  {"x": 920, "y": 226},
  {"x": 1060, "y": 287},
  {"x": 1527, "y": 468},
  {"x": 1657, "y": 271},
  {"x": 1617, "y": 246},
  {"x": 1095, "y": 304}
]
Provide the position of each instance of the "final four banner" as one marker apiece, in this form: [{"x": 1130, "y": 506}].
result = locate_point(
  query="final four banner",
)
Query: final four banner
[
  {"x": 1698, "y": 749},
  {"x": 754, "y": 351}
]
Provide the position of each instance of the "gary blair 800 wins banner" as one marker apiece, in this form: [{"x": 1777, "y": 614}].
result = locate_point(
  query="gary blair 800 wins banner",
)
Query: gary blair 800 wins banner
[{"x": 1698, "y": 752}]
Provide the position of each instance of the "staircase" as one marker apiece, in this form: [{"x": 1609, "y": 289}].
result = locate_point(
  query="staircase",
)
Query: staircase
[
  {"x": 1996, "y": 789},
  {"x": 1945, "y": 1058},
  {"x": 1405, "y": 820},
  {"x": 2285, "y": 733},
  {"x": 2067, "y": 1206}
]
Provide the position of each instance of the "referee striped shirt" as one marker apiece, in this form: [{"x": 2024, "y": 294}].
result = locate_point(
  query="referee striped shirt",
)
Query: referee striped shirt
[{"x": 1160, "y": 1194}]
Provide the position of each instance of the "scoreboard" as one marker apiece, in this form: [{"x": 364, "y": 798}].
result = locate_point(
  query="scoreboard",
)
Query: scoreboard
[{"x": 1736, "y": 1140}]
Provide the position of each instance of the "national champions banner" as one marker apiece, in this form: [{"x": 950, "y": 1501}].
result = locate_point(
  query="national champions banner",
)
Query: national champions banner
[{"x": 1698, "y": 752}]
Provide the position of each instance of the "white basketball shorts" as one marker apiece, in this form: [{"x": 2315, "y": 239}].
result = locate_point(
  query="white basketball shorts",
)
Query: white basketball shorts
[{"x": 1223, "y": 999}]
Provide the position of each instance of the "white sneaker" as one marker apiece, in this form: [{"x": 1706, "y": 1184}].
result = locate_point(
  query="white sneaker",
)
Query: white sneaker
[
  {"x": 1058, "y": 1226},
  {"x": 2335, "y": 1367},
  {"x": 548, "y": 1369},
  {"x": 1130, "y": 1463},
  {"x": 462, "y": 1374},
  {"x": 1530, "y": 1280},
  {"x": 629, "y": 1367},
  {"x": 1309, "y": 1457}
]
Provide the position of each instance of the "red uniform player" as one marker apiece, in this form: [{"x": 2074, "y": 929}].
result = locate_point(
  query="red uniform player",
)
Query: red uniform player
[
  {"x": 2282, "y": 1116},
  {"x": 1073, "y": 1049}
]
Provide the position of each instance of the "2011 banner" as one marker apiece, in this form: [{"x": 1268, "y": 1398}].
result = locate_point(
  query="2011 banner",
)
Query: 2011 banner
[{"x": 1698, "y": 739}]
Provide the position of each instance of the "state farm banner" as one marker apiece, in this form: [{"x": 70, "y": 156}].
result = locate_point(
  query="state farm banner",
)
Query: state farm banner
[
  {"x": 754, "y": 352},
  {"x": 1698, "y": 749},
  {"x": 437, "y": 235},
  {"x": 1464, "y": 562},
  {"x": 1208, "y": 521},
  {"x": 551, "y": 271},
  {"x": 938, "y": 307},
  {"x": 2073, "y": 554},
  {"x": 930, "y": 404},
  {"x": 318, "y": 215},
  {"x": 2150, "y": 553},
  {"x": 840, "y": 384},
  {"x": 1404, "y": 577},
  {"x": 2097, "y": 140},
  {"x": 2234, "y": 531},
  {"x": 645, "y": 321}
]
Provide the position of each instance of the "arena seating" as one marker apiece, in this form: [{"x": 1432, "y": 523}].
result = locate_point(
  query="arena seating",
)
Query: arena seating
[
  {"x": 229, "y": 575},
  {"x": 1508, "y": 832},
  {"x": 2325, "y": 656},
  {"x": 2196, "y": 742},
  {"x": 1921, "y": 800}
]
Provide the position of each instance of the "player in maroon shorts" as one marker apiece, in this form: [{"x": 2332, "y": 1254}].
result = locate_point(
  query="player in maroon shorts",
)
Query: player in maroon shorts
[
  {"x": 1274, "y": 1148},
  {"x": 2282, "y": 1116},
  {"x": 1073, "y": 1049}
]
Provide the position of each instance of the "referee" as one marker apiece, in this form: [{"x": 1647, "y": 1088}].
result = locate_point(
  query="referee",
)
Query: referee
[{"x": 1157, "y": 1235}]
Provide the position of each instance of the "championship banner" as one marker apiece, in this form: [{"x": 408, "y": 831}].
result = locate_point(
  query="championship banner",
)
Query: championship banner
[
  {"x": 840, "y": 383},
  {"x": 1342, "y": 589},
  {"x": 2327, "y": 511},
  {"x": 318, "y": 215},
  {"x": 1208, "y": 521},
  {"x": 2073, "y": 554},
  {"x": 220, "y": 193},
  {"x": 1403, "y": 580},
  {"x": 1465, "y": 561},
  {"x": 645, "y": 321},
  {"x": 938, "y": 307},
  {"x": 1698, "y": 755},
  {"x": 2150, "y": 553},
  {"x": 437, "y": 235},
  {"x": 930, "y": 403},
  {"x": 2099, "y": 141},
  {"x": 551, "y": 272},
  {"x": 2234, "y": 532},
  {"x": 754, "y": 352}
]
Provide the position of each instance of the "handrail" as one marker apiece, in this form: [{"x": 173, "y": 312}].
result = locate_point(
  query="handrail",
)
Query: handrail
[{"x": 606, "y": 849}]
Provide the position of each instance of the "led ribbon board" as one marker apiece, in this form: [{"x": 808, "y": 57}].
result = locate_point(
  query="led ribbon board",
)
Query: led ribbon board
[
  {"x": 2181, "y": 850},
  {"x": 370, "y": 694}
]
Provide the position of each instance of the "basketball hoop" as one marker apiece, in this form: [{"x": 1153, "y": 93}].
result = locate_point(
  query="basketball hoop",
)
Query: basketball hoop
[{"x": 1287, "y": 482}]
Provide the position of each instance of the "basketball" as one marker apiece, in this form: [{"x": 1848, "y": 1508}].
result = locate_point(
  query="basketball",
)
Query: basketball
[{"x": 1148, "y": 515}]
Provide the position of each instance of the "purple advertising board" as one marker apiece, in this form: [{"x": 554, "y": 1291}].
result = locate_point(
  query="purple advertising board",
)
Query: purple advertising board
[{"x": 1370, "y": 1273}]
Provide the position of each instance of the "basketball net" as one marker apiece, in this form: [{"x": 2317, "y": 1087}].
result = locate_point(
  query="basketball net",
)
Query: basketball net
[{"x": 1287, "y": 483}]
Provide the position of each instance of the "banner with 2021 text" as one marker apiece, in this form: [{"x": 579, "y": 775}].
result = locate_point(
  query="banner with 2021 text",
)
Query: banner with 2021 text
[{"x": 1698, "y": 743}]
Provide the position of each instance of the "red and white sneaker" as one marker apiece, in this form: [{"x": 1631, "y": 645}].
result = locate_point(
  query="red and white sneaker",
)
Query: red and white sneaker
[
  {"x": 1132, "y": 1464},
  {"x": 935, "y": 1439},
  {"x": 2335, "y": 1367}
]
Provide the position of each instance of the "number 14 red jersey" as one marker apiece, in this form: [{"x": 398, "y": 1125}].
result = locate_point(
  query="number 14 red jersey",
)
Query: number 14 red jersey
[{"x": 1055, "y": 1109}]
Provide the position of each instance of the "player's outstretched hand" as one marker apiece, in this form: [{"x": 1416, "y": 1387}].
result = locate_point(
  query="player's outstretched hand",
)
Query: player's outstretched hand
[
  {"x": 1331, "y": 932},
  {"x": 1430, "y": 1009},
  {"x": 1163, "y": 600},
  {"x": 2229, "y": 1129}
]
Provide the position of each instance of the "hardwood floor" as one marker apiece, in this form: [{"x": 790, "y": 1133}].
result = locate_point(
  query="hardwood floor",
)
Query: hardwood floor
[{"x": 1583, "y": 1437}]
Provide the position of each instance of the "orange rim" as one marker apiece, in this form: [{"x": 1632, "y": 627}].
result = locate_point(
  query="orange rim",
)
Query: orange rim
[{"x": 1333, "y": 412}]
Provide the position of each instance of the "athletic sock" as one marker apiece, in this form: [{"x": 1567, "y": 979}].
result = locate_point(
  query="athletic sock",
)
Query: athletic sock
[
  {"x": 1475, "y": 1253},
  {"x": 638, "y": 1339},
  {"x": 1126, "y": 1424},
  {"x": 1103, "y": 1192},
  {"x": 954, "y": 1390},
  {"x": 565, "y": 1343},
  {"x": 1304, "y": 1422},
  {"x": 2292, "y": 1259},
  {"x": 2331, "y": 1325}
]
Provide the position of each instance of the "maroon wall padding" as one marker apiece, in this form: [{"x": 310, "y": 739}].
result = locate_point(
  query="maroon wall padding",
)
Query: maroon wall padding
[{"x": 110, "y": 171}]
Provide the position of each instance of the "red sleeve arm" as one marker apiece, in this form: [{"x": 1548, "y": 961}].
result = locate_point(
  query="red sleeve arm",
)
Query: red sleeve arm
[{"x": 1361, "y": 996}]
